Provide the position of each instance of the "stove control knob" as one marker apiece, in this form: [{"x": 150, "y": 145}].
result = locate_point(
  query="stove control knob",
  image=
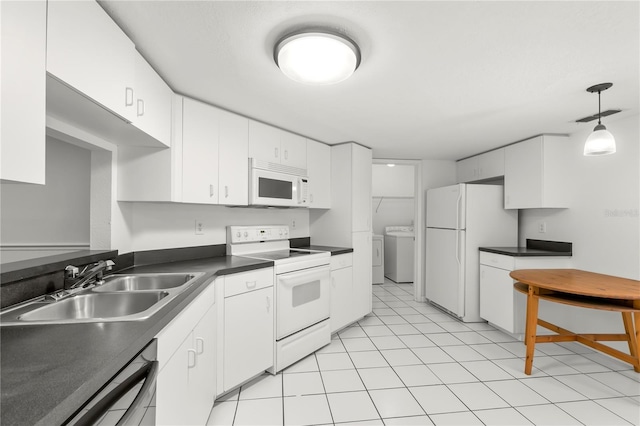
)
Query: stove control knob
[
  {"x": 281, "y": 232},
  {"x": 246, "y": 234},
  {"x": 238, "y": 234}
]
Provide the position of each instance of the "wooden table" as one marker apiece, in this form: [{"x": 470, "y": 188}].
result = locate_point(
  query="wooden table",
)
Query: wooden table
[{"x": 586, "y": 290}]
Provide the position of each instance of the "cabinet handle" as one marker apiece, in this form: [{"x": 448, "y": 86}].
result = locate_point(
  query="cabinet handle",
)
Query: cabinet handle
[
  {"x": 191, "y": 358},
  {"x": 128, "y": 96},
  {"x": 377, "y": 252},
  {"x": 140, "y": 108},
  {"x": 311, "y": 198},
  {"x": 199, "y": 345},
  {"x": 286, "y": 154},
  {"x": 226, "y": 191},
  {"x": 276, "y": 152},
  {"x": 210, "y": 190},
  {"x": 268, "y": 304},
  {"x": 251, "y": 284}
]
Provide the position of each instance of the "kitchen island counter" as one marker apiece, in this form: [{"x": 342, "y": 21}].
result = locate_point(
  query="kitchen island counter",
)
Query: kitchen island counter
[{"x": 49, "y": 371}]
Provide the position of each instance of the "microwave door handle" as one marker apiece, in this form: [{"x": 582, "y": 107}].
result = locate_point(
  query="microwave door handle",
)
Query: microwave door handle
[
  {"x": 149, "y": 370},
  {"x": 299, "y": 191}
]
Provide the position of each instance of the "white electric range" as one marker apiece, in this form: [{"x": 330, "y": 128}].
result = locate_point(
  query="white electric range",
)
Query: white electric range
[{"x": 302, "y": 285}]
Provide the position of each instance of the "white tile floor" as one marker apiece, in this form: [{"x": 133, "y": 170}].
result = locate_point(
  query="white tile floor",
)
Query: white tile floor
[{"x": 409, "y": 364}]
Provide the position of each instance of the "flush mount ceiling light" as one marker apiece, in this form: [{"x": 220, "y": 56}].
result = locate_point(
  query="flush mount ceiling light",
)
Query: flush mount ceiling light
[
  {"x": 601, "y": 141},
  {"x": 317, "y": 57}
]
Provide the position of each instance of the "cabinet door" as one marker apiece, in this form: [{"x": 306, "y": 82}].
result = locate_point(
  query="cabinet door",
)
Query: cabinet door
[
  {"x": 523, "y": 175},
  {"x": 496, "y": 297},
  {"x": 294, "y": 150},
  {"x": 467, "y": 170},
  {"x": 89, "y": 52},
  {"x": 199, "y": 153},
  {"x": 153, "y": 102},
  {"x": 22, "y": 73},
  {"x": 361, "y": 191},
  {"x": 362, "y": 275},
  {"x": 202, "y": 378},
  {"x": 233, "y": 164},
  {"x": 173, "y": 405},
  {"x": 319, "y": 170},
  {"x": 264, "y": 142},
  {"x": 341, "y": 297},
  {"x": 248, "y": 336},
  {"x": 491, "y": 164}
]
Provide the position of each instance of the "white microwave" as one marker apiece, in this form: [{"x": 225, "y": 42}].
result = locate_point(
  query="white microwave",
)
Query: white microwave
[{"x": 277, "y": 185}]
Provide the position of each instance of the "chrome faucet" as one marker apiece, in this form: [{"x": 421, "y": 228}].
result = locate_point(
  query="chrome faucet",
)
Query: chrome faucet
[{"x": 94, "y": 273}]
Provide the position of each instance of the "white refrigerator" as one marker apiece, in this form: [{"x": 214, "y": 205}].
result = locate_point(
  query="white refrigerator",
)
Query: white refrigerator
[{"x": 460, "y": 219}]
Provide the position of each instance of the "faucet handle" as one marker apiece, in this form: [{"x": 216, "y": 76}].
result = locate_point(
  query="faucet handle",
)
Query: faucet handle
[
  {"x": 71, "y": 271},
  {"x": 110, "y": 264}
]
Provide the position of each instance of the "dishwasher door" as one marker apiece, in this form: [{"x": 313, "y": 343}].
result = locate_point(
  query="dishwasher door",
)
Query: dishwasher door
[{"x": 128, "y": 398}]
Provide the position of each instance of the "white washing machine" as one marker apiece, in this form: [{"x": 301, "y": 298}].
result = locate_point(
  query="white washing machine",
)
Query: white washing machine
[
  {"x": 399, "y": 246},
  {"x": 378, "y": 259}
]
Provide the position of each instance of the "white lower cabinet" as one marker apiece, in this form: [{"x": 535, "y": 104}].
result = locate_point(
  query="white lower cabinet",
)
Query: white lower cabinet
[
  {"x": 341, "y": 291},
  {"x": 186, "y": 386},
  {"x": 248, "y": 326},
  {"x": 500, "y": 304}
]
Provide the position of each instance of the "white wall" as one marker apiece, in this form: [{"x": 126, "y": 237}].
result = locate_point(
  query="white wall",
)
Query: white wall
[
  {"x": 53, "y": 214},
  {"x": 391, "y": 211},
  {"x": 397, "y": 181},
  {"x": 167, "y": 225},
  {"x": 602, "y": 221}
]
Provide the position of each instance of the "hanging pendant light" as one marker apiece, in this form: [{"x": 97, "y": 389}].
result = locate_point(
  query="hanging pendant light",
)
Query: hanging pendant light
[{"x": 601, "y": 141}]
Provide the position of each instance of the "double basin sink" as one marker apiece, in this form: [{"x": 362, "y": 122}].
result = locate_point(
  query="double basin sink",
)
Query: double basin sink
[{"x": 121, "y": 298}]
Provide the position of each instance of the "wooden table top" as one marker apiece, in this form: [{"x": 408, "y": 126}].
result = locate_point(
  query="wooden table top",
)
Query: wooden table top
[{"x": 584, "y": 283}]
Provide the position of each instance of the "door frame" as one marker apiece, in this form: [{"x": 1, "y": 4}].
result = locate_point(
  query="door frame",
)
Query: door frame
[{"x": 418, "y": 224}]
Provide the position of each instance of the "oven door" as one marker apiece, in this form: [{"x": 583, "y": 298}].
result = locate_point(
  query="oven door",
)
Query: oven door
[{"x": 303, "y": 299}]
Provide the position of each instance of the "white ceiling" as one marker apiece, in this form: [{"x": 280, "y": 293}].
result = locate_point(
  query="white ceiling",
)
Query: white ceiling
[{"x": 438, "y": 79}]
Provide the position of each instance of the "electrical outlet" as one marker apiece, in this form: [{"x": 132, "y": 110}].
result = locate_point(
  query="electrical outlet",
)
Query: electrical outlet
[
  {"x": 542, "y": 227},
  {"x": 293, "y": 224},
  {"x": 199, "y": 227}
]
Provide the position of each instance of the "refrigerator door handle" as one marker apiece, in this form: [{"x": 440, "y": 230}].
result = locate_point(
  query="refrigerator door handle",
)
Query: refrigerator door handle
[{"x": 458, "y": 227}]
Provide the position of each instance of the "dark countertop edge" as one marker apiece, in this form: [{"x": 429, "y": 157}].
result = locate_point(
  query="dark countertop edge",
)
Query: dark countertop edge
[
  {"x": 157, "y": 322},
  {"x": 525, "y": 252},
  {"x": 23, "y": 269},
  {"x": 334, "y": 250}
]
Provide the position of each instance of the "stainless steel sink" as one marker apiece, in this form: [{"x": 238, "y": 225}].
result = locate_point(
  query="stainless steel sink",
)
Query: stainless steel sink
[
  {"x": 143, "y": 282},
  {"x": 121, "y": 298},
  {"x": 95, "y": 306}
]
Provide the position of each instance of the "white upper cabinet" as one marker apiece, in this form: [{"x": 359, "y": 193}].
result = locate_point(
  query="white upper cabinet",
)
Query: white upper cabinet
[
  {"x": 480, "y": 167},
  {"x": 152, "y": 102},
  {"x": 87, "y": 51},
  {"x": 319, "y": 172},
  {"x": 22, "y": 74},
  {"x": 200, "y": 126},
  {"x": 233, "y": 166},
  {"x": 270, "y": 144},
  {"x": 534, "y": 173}
]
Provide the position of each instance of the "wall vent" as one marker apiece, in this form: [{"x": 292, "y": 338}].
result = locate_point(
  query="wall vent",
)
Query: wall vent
[{"x": 595, "y": 116}]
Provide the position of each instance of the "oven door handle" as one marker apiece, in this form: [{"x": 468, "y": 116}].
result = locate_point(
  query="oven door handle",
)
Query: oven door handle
[
  {"x": 303, "y": 277},
  {"x": 149, "y": 370}
]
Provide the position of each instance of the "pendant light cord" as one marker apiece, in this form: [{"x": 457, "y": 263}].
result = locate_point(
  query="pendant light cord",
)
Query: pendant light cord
[{"x": 599, "y": 108}]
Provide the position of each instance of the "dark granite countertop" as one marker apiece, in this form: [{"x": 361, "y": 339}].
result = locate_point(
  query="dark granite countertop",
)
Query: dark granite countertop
[
  {"x": 49, "y": 371},
  {"x": 523, "y": 251},
  {"x": 534, "y": 248},
  {"x": 334, "y": 250}
]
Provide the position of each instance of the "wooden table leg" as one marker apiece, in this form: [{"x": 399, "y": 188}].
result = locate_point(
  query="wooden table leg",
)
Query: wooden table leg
[
  {"x": 532, "y": 323},
  {"x": 636, "y": 332}
]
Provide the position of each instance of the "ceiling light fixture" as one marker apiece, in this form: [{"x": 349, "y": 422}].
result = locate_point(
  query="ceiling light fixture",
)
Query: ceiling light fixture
[
  {"x": 317, "y": 57},
  {"x": 391, "y": 165},
  {"x": 601, "y": 141}
]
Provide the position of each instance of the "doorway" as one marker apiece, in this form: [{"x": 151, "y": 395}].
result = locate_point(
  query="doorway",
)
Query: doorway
[{"x": 396, "y": 202}]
